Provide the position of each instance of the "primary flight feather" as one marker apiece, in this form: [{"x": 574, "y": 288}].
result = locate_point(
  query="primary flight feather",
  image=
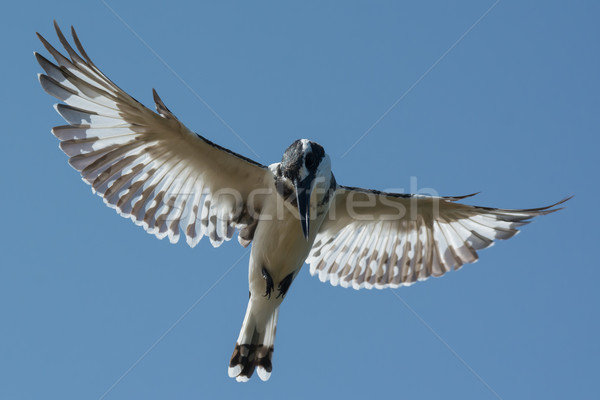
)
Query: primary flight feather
[{"x": 151, "y": 168}]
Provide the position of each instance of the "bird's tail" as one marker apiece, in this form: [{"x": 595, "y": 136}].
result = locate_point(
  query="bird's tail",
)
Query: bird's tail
[{"x": 254, "y": 347}]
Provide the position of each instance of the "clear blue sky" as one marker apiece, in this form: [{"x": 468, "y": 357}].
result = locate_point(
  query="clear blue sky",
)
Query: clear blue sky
[{"x": 511, "y": 111}]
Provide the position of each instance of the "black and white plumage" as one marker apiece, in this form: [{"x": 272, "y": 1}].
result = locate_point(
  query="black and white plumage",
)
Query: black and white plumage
[{"x": 152, "y": 169}]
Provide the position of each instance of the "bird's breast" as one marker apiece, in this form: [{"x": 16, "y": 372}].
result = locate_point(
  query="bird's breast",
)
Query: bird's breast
[{"x": 279, "y": 243}]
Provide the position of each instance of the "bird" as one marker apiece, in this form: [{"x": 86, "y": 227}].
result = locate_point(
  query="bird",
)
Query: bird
[{"x": 152, "y": 169}]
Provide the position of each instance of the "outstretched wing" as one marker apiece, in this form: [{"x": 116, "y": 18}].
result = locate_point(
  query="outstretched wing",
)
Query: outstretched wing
[
  {"x": 376, "y": 239},
  {"x": 147, "y": 166}
]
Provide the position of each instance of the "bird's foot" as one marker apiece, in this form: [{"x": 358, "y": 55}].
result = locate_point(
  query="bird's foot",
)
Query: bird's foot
[
  {"x": 269, "y": 281},
  {"x": 284, "y": 285}
]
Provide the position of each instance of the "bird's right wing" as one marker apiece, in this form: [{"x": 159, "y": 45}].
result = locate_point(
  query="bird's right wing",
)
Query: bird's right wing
[
  {"x": 148, "y": 166},
  {"x": 376, "y": 239}
]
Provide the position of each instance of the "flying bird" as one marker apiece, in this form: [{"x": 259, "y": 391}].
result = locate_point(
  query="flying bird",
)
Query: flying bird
[{"x": 173, "y": 182}]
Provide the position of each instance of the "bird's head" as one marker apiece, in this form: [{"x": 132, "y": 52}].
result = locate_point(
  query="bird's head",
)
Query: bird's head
[{"x": 305, "y": 164}]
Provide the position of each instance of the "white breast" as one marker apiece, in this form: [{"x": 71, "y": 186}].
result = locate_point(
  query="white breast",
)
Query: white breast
[{"x": 279, "y": 244}]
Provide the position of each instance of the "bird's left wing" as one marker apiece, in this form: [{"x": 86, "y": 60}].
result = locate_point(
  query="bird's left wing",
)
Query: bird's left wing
[
  {"x": 376, "y": 239},
  {"x": 147, "y": 166}
]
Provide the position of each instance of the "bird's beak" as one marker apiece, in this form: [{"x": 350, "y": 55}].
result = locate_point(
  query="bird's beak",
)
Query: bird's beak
[{"x": 303, "y": 191}]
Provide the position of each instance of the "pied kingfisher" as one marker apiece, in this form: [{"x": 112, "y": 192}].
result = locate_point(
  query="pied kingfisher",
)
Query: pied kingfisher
[{"x": 149, "y": 167}]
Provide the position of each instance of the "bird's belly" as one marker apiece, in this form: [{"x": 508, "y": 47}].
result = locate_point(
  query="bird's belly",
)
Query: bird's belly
[{"x": 279, "y": 244}]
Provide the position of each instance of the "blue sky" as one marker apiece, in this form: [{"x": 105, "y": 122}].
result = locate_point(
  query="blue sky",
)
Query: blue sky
[{"x": 510, "y": 110}]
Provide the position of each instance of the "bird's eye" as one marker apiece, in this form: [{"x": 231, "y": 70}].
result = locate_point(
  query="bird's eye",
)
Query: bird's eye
[{"x": 309, "y": 160}]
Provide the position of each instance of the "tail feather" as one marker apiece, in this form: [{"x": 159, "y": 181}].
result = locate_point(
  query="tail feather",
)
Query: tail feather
[
  {"x": 264, "y": 355},
  {"x": 254, "y": 348}
]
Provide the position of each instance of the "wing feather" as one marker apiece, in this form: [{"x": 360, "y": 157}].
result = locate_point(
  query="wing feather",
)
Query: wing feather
[
  {"x": 427, "y": 236},
  {"x": 147, "y": 166}
]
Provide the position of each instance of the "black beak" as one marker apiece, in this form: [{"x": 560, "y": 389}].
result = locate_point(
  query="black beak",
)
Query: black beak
[{"x": 303, "y": 191}]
